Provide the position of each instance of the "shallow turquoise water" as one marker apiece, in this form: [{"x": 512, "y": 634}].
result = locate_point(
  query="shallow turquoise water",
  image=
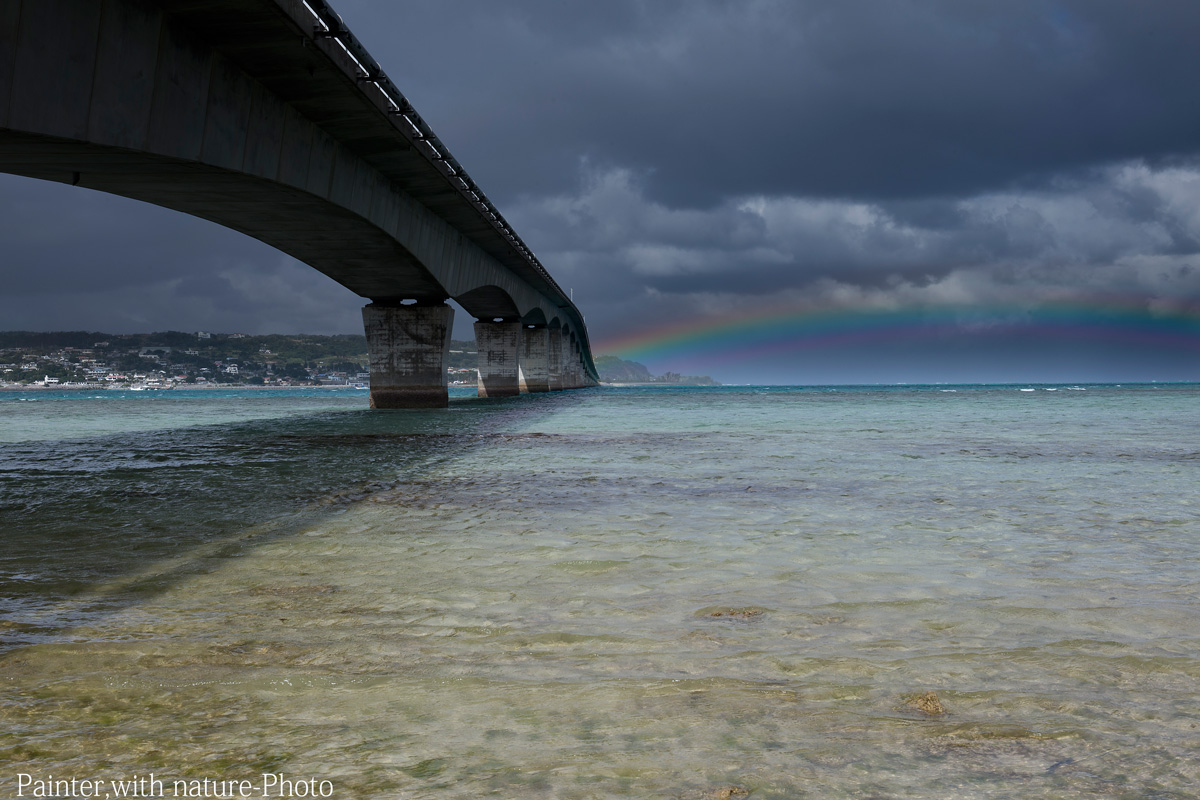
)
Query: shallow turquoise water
[{"x": 609, "y": 593}]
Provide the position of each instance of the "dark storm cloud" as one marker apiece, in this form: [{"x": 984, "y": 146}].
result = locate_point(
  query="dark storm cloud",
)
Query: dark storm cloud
[
  {"x": 1128, "y": 229},
  {"x": 673, "y": 159},
  {"x": 840, "y": 98},
  {"x": 114, "y": 242},
  {"x": 78, "y": 259}
]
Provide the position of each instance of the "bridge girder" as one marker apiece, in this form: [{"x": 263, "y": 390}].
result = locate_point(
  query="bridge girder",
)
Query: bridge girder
[{"x": 241, "y": 112}]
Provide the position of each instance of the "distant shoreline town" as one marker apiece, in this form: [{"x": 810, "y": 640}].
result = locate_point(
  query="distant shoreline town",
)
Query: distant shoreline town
[{"x": 158, "y": 361}]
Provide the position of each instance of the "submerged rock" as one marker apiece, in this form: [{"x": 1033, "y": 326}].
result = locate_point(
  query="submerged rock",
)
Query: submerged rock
[
  {"x": 20, "y": 627},
  {"x": 733, "y": 613},
  {"x": 293, "y": 591},
  {"x": 729, "y": 792},
  {"x": 722, "y": 793},
  {"x": 928, "y": 703}
]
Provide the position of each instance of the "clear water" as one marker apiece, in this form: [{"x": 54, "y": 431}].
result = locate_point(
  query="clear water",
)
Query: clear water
[{"x": 678, "y": 593}]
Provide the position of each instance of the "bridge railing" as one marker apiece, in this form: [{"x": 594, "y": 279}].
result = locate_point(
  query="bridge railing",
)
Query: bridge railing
[{"x": 330, "y": 25}]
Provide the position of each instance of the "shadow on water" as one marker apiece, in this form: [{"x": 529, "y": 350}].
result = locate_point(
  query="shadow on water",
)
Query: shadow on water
[{"x": 94, "y": 525}]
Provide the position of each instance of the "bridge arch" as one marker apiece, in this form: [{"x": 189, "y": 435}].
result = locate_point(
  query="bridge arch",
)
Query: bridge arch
[
  {"x": 535, "y": 317},
  {"x": 489, "y": 303}
]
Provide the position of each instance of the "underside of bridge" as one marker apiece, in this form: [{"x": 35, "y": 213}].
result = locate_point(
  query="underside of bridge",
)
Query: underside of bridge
[{"x": 267, "y": 117}]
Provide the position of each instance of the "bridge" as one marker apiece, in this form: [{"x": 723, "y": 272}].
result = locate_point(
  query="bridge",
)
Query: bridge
[{"x": 270, "y": 118}]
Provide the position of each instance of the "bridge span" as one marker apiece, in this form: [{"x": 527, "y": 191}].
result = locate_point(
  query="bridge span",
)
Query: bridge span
[{"x": 270, "y": 118}]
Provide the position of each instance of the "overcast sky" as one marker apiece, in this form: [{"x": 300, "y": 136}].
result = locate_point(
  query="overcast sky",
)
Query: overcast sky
[{"x": 695, "y": 162}]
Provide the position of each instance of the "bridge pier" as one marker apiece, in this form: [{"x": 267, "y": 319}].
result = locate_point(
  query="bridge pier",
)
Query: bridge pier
[
  {"x": 577, "y": 372},
  {"x": 554, "y": 361},
  {"x": 407, "y": 347},
  {"x": 497, "y": 344},
  {"x": 570, "y": 362},
  {"x": 568, "y": 368},
  {"x": 533, "y": 362}
]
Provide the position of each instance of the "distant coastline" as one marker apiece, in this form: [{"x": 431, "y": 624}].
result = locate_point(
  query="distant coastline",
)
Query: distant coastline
[
  {"x": 91, "y": 361},
  {"x": 223, "y": 387},
  {"x": 616, "y": 371}
]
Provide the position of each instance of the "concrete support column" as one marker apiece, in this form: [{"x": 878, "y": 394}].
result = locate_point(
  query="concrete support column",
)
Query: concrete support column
[
  {"x": 570, "y": 364},
  {"x": 564, "y": 358},
  {"x": 554, "y": 360},
  {"x": 570, "y": 379},
  {"x": 533, "y": 366},
  {"x": 407, "y": 347},
  {"x": 497, "y": 344}
]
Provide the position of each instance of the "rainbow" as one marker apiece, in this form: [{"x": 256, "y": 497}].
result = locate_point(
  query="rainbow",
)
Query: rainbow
[{"x": 780, "y": 330}]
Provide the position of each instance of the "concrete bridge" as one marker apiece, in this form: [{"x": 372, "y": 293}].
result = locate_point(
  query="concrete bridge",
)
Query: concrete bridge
[{"x": 269, "y": 117}]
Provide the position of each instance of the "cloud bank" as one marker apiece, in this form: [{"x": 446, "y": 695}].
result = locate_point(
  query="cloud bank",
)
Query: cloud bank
[{"x": 701, "y": 160}]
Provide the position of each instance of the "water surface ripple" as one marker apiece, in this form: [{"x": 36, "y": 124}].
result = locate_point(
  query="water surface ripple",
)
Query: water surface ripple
[{"x": 667, "y": 592}]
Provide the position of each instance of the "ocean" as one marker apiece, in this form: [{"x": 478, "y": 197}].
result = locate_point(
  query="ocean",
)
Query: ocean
[{"x": 658, "y": 592}]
